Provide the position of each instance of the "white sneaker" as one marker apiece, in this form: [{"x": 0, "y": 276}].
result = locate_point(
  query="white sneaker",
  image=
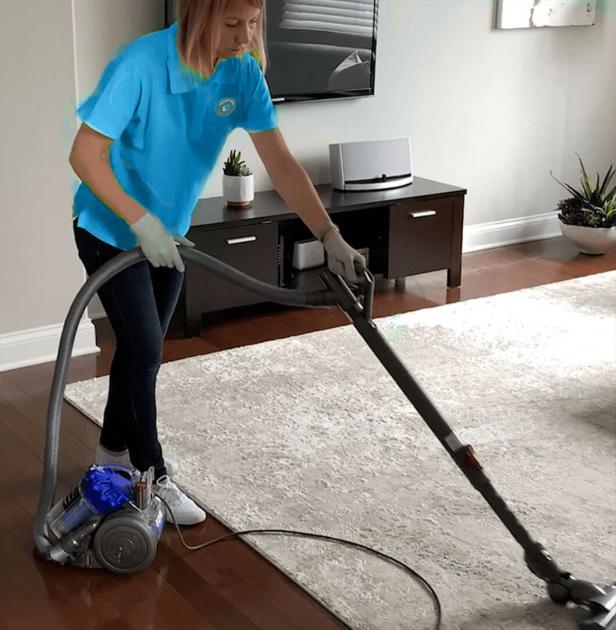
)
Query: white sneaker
[
  {"x": 185, "y": 510},
  {"x": 103, "y": 456}
]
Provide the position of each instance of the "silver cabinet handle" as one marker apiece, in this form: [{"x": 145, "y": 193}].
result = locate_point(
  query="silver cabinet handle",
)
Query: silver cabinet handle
[
  {"x": 243, "y": 239},
  {"x": 423, "y": 213}
]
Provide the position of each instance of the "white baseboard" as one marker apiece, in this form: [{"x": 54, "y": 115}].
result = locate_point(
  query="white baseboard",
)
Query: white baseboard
[
  {"x": 510, "y": 231},
  {"x": 40, "y": 345}
]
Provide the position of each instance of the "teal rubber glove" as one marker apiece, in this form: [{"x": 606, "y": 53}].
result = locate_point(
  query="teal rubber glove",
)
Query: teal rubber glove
[
  {"x": 341, "y": 257},
  {"x": 157, "y": 245}
]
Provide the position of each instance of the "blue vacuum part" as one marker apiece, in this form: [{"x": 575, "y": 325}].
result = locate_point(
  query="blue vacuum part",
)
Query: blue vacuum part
[{"x": 103, "y": 489}]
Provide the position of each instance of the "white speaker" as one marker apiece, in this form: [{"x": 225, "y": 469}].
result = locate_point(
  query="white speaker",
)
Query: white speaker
[
  {"x": 371, "y": 165},
  {"x": 308, "y": 253}
]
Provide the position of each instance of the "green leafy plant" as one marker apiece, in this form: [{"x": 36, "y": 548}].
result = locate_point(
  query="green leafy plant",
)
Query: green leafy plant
[
  {"x": 591, "y": 206},
  {"x": 235, "y": 166}
]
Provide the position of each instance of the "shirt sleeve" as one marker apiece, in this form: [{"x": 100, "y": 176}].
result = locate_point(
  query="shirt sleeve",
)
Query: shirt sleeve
[
  {"x": 259, "y": 113},
  {"x": 110, "y": 108}
]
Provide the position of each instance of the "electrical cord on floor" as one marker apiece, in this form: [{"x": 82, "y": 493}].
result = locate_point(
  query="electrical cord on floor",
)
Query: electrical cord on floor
[{"x": 437, "y": 603}]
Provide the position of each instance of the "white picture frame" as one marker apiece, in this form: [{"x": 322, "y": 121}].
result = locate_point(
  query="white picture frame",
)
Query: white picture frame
[{"x": 545, "y": 13}]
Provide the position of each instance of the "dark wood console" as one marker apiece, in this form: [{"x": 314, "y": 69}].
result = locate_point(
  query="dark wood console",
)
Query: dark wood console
[{"x": 408, "y": 230}]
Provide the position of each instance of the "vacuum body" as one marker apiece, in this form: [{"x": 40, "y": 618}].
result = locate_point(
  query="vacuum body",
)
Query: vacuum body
[{"x": 110, "y": 520}]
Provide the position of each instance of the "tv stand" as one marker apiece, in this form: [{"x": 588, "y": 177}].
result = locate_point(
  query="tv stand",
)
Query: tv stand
[{"x": 402, "y": 231}]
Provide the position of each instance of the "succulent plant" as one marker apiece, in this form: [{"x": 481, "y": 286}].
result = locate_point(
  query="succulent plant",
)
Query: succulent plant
[
  {"x": 235, "y": 166},
  {"x": 593, "y": 205}
]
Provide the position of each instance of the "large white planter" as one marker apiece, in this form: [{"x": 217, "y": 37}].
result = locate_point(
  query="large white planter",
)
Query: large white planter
[
  {"x": 238, "y": 190},
  {"x": 590, "y": 240}
]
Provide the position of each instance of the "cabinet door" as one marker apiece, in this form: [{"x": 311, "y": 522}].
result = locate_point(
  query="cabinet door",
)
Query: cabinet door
[
  {"x": 420, "y": 235},
  {"x": 252, "y": 249}
]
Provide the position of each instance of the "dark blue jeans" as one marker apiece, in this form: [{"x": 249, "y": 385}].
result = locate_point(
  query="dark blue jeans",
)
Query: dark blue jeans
[{"x": 139, "y": 302}]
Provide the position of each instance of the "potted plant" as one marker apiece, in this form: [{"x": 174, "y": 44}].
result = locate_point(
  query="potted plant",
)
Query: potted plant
[
  {"x": 238, "y": 182},
  {"x": 588, "y": 219}
]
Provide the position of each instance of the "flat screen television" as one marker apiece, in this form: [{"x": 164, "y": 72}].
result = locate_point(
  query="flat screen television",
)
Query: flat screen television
[{"x": 319, "y": 50}]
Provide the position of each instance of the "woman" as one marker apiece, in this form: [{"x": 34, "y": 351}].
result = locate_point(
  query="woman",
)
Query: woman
[{"x": 152, "y": 132}]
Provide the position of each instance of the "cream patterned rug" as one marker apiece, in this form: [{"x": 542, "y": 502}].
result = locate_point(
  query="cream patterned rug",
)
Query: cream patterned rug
[{"x": 311, "y": 433}]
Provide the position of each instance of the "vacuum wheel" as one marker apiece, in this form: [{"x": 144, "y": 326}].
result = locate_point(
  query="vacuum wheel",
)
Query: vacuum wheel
[{"x": 124, "y": 543}]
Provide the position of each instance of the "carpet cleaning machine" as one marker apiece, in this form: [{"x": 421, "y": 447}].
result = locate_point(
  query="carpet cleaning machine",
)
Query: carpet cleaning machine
[{"x": 113, "y": 519}]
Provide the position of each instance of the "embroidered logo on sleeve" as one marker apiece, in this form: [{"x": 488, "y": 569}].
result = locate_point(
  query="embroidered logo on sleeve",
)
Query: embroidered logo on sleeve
[{"x": 225, "y": 106}]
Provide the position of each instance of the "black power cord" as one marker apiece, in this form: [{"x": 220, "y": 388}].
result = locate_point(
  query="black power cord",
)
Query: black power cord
[{"x": 414, "y": 574}]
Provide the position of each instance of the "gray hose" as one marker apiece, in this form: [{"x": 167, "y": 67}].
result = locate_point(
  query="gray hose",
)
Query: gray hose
[{"x": 312, "y": 299}]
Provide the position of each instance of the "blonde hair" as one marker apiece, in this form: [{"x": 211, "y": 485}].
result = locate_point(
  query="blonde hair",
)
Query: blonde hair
[{"x": 199, "y": 26}]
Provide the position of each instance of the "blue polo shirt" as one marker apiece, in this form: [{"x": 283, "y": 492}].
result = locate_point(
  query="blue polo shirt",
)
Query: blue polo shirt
[{"x": 168, "y": 128}]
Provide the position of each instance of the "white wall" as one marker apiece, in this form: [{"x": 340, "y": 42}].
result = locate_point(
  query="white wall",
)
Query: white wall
[{"x": 489, "y": 110}]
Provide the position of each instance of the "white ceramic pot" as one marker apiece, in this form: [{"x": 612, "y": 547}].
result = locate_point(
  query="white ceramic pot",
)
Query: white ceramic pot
[
  {"x": 590, "y": 240},
  {"x": 238, "y": 190}
]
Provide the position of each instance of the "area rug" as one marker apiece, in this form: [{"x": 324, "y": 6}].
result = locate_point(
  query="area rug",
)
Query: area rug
[{"x": 311, "y": 433}]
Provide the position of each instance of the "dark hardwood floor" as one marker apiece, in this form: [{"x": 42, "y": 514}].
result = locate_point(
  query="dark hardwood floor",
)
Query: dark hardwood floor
[{"x": 228, "y": 586}]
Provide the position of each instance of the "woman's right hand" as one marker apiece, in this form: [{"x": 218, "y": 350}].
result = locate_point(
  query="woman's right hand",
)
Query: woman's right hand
[{"x": 157, "y": 245}]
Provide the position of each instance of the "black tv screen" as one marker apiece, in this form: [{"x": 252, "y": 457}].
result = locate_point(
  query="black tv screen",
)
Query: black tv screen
[{"x": 317, "y": 50}]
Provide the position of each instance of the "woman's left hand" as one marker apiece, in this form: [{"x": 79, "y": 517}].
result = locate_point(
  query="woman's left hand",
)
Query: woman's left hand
[{"x": 341, "y": 257}]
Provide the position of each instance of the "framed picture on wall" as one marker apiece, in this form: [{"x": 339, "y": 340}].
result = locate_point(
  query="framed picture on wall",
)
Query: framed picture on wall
[{"x": 544, "y": 13}]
